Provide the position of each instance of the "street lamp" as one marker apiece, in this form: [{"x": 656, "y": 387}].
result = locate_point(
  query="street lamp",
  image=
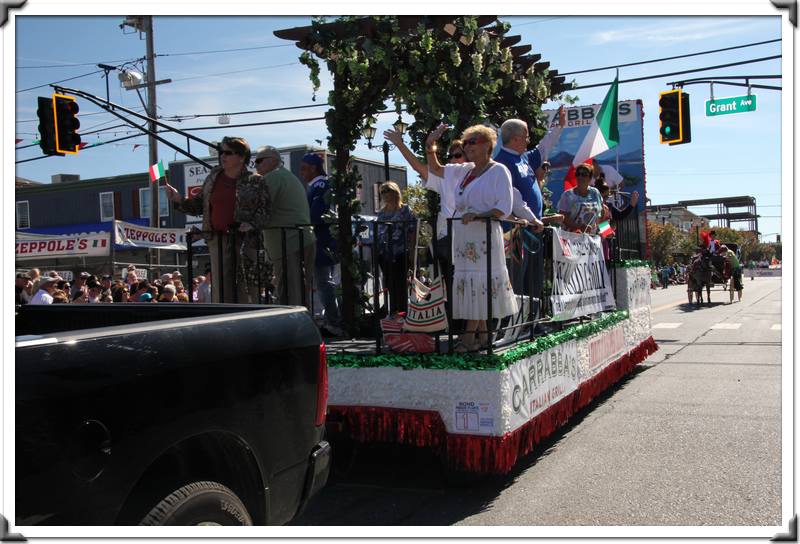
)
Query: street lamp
[{"x": 368, "y": 132}]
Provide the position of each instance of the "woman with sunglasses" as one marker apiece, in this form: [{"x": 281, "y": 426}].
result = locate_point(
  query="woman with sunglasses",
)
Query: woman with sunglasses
[
  {"x": 483, "y": 192},
  {"x": 234, "y": 203},
  {"x": 582, "y": 205}
]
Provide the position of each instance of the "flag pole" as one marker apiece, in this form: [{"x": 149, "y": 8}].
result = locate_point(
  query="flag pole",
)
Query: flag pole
[{"x": 617, "y": 114}]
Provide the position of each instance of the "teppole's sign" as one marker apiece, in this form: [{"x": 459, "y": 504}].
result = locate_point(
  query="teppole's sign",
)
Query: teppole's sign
[{"x": 128, "y": 234}]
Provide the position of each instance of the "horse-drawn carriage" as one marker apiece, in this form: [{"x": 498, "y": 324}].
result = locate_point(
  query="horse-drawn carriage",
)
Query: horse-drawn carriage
[{"x": 707, "y": 270}]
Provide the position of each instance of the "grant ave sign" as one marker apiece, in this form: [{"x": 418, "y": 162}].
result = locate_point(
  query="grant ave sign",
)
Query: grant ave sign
[{"x": 732, "y": 104}]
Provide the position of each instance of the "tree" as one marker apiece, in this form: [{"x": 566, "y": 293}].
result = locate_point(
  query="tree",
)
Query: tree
[
  {"x": 665, "y": 241},
  {"x": 458, "y": 72}
]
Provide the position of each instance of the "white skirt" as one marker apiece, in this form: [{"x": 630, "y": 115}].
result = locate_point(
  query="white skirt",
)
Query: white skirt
[{"x": 470, "y": 286}]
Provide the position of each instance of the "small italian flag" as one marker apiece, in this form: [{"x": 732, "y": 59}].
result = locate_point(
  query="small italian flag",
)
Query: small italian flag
[
  {"x": 604, "y": 229},
  {"x": 157, "y": 172}
]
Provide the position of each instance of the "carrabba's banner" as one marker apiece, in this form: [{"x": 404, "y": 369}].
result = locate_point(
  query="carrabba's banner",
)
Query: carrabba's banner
[
  {"x": 128, "y": 234},
  {"x": 32, "y": 246},
  {"x": 580, "y": 279}
]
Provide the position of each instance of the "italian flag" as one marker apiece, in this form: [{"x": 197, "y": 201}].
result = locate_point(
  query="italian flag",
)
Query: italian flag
[
  {"x": 604, "y": 229},
  {"x": 602, "y": 135},
  {"x": 157, "y": 172}
]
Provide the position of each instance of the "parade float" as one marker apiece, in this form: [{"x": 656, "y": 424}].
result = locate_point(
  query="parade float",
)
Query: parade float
[{"x": 481, "y": 412}]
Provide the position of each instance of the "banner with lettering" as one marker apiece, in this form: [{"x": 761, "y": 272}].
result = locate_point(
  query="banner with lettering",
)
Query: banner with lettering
[
  {"x": 541, "y": 380},
  {"x": 580, "y": 279},
  {"x": 128, "y": 234},
  {"x": 38, "y": 246}
]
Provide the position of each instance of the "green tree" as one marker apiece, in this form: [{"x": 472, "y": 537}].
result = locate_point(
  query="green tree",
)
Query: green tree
[{"x": 665, "y": 241}]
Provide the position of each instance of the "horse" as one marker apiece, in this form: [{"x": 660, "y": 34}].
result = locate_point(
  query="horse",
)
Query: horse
[{"x": 698, "y": 276}]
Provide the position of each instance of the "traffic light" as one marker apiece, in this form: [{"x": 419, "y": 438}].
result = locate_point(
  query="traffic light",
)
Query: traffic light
[
  {"x": 674, "y": 117},
  {"x": 47, "y": 126},
  {"x": 66, "y": 116}
]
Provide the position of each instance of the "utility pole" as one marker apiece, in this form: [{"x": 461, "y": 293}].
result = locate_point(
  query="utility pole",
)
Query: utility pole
[{"x": 152, "y": 144}]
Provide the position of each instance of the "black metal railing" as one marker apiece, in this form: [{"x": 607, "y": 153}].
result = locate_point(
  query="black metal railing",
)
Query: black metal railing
[{"x": 383, "y": 286}]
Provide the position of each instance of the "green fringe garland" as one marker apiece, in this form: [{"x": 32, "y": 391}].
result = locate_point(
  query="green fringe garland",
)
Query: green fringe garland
[
  {"x": 633, "y": 263},
  {"x": 474, "y": 361}
]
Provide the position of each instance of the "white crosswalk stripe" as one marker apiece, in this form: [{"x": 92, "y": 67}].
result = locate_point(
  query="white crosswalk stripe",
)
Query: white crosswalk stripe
[
  {"x": 667, "y": 325},
  {"x": 726, "y": 326}
]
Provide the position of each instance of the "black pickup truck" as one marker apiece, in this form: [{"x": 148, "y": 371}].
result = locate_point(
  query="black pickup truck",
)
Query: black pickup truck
[{"x": 168, "y": 414}]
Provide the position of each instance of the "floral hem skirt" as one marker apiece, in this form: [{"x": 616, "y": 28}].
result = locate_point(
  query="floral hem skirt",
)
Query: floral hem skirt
[{"x": 470, "y": 286}]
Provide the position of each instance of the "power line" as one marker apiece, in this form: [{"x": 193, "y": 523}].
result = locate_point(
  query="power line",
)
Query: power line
[
  {"x": 236, "y": 71},
  {"x": 740, "y": 63},
  {"x": 196, "y": 116},
  {"x": 222, "y": 50},
  {"x": 670, "y": 58},
  {"x": 59, "y": 81},
  {"x": 77, "y": 64}
]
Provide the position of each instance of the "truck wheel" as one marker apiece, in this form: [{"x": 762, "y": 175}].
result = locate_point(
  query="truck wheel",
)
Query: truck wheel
[{"x": 199, "y": 503}]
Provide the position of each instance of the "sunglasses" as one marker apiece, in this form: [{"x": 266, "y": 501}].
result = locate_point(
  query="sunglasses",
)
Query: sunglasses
[
  {"x": 457, "y": 155},
  {"x": 474, "y": 141},
  {"x": 258, "y": 161},
  {"x": 583, "y": 173},
  {"x": 228, "y": 152}
]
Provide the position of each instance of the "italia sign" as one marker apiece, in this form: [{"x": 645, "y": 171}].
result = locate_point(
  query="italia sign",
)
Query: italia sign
[{"x": 732, "y": 104}]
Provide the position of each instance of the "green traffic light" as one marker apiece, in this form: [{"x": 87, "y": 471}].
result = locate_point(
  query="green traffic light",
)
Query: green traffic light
[{"x": 667, "y": 129}]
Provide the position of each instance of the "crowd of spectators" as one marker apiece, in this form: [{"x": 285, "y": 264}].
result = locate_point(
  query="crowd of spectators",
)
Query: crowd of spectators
[{"x": 32, "y": 288}]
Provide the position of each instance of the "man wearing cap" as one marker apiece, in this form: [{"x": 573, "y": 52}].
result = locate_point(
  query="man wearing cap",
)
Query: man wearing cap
[
  {"x": 79, "y": 285},
  {"x": 527, "y": 175},
  {"x": 288, "y": 209},
  {"x": 736, "y": 270},
  {"x": 45, "y": 293},
  {"x": 312, "y": 172}
]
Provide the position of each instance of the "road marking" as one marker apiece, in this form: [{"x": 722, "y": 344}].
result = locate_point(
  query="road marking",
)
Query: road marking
[
  {"x": 726, "y": 326},
  {"x": 667, "y": 325},
  {"x": 776, "y": 327},
  {"x": 666, "y": 307}
]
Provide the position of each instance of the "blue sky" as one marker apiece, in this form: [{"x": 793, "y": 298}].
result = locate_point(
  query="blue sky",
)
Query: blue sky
[{"x": 729, "y": 155}]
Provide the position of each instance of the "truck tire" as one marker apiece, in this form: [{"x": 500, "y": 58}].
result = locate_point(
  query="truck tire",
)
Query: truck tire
[{"x": 199, "y": 503}]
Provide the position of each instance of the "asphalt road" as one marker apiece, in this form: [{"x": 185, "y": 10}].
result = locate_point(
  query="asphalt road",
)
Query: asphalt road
[{"x": 691, "y": 438}]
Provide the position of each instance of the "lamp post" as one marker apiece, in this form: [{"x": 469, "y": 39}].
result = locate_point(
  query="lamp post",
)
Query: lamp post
[{"x": 368, "y": 132}]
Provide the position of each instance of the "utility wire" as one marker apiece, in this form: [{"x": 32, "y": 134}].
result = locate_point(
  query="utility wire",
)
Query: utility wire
[
  {"x": 59, "y": 81},
  {"x": 222, "y": 50},
  {"x": 236, "y": 71},
  {"x": 762, "y": 59},
  {"x": 78, "y": 64},
  {"x": 196, "y": 116},
  {"x": 669, "y": 58}
]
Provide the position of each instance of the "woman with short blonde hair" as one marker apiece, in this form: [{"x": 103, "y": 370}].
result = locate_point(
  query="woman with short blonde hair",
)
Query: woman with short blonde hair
[{"x": 394, "y": 248}]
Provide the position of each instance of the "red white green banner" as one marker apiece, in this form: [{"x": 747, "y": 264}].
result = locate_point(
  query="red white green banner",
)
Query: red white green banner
[
  {"x": 128, "y": 234},
  {"x": 34, "y": 246}
]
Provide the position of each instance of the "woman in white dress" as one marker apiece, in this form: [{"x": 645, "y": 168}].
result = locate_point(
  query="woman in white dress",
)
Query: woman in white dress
[{"x": 483, "y": 191}]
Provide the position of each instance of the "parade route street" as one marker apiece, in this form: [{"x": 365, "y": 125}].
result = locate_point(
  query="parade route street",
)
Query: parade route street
[{"x": 691, "y": 438}]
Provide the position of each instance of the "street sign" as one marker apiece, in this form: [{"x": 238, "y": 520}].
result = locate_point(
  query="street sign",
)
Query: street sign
[{"x": 732, "y": 104}]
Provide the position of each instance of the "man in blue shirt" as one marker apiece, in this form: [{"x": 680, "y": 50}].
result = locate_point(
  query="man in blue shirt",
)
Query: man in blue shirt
[
  {"x": 312, "y": 172},
  {"x": 527, "y": 176}
]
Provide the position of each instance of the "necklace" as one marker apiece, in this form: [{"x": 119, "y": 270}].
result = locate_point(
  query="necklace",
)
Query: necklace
[{"x": 472, "y": 176}]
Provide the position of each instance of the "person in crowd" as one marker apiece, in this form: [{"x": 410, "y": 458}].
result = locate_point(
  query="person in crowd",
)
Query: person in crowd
[
  {"x": 616, "y": 215},
  {"x": 79, "y": 297},
  {"x": 736, "y": 270},
  {"x": 147, "y": 297},
  {"x": 22, "y": 288},
  {"x": 36, "y": 277},
  {"x": 130, "y": 277},
  {"x": 141, "y": 288},
  {"x": 47, "y": 286},
  {"x": 155, "y": 292},
  {"x": 582, "y": 205},
  {"x": 94, "y": 290},
  {"x": 165, "y": 279},
  {"x": 396, "y": 230},
  {"x": 289, "y": 214},
  {"x": 121, "y": 293},
  {"x": 204, "y": 288},
  {"x": 60, "y": 297},
  {"x": 168, "y": 293},
  {"x": 235, "y": 204},
  {"x": 79, "y": 284},
  {"x": 665, "y": 272},
  {"x": 318, "y": 195},
  {"x": 105, "y": 282},
  {"x": 180, "y": 293},
  {"x": 484, "y": 192}
]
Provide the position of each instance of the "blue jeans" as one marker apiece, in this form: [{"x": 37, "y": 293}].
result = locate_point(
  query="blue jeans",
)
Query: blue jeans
[{"x": 326, "y": 286}]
